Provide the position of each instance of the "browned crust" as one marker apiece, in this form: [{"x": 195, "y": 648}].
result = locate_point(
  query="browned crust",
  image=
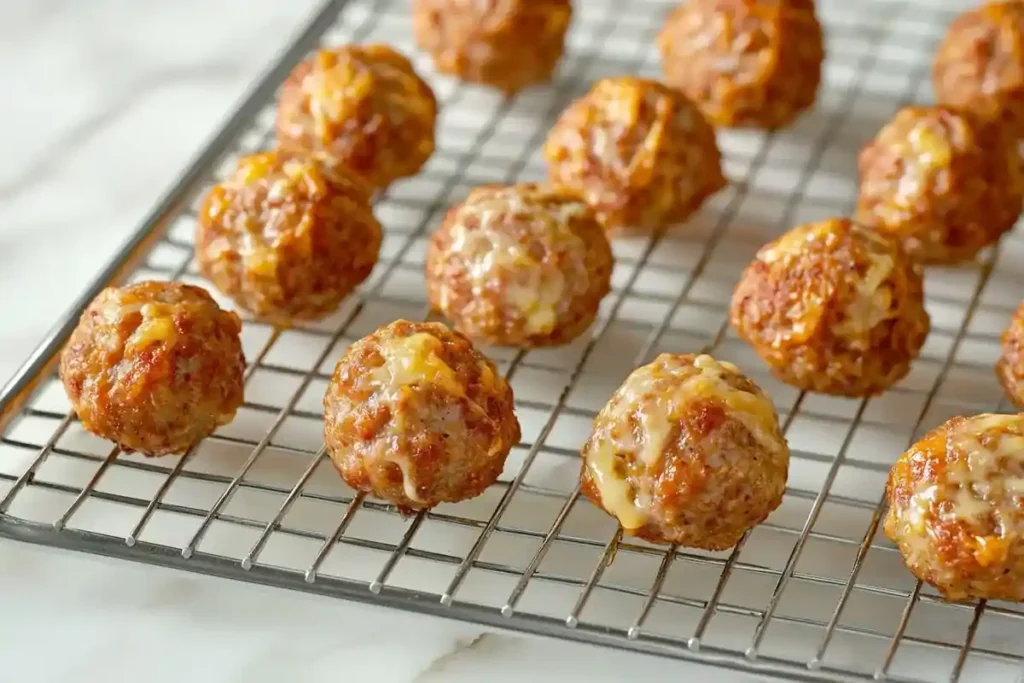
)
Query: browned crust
[
  {"x": 641, "y": 154},
  {"x": 797, "y": 311},
  {"x": 773, "y": 50},
  {"x": 1010, "y": 367},
  {"x": 379, "y": 119},
  {"x": 508, "y": 45},
  {"x": 287, "y": 236},
  {"x": 357, "y": 419},
  {"x": 161, "y": 397},
  {"x": 712, "y": 482},
  {"x": 979, "y": 66},
  {"x": 526, "y": 214},
  {"x": 979, "y": 557},
  {"x": 944, "y": 182}
]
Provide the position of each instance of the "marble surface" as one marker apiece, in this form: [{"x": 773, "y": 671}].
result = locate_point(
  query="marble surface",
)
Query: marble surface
[{"x": 106, "y": 101}]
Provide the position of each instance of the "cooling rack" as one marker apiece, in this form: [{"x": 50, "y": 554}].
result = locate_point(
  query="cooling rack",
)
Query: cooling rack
[{"x": 815, "y": 593}]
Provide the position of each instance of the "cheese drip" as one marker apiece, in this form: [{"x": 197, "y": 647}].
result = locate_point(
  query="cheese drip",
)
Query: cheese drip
[
  {"x": 538, "y": 291},
  {"x": 408, "y": 362},
  {"x": 981, "y": 486},
  {"x": 657, "y": 410}
]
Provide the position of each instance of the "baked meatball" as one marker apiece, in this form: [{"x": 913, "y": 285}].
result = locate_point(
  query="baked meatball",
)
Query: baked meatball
[
  {"x": 956, "y": 508},
  {"x": 363, "y": 105},
  {"x": 833, "y": 307},
  {"x": 520, "y": 265},
  {"x": 154, "y": 367},
  {"x": 945, "y": 183},
  {"x": 980, "y": 64},
  {"x": 287, "y": 236},
  {"x": 1010, "y": 367},
  {"x": 688, "y": 451},
  {"x": 416, "y": 416},
  {"x": 745, "y": 62},
  {"x": 638, "y": 152},
  {"x": 507, "y": 44}
]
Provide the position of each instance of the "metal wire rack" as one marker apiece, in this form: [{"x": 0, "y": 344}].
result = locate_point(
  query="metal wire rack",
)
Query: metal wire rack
[{"x": 816, "y": 593}]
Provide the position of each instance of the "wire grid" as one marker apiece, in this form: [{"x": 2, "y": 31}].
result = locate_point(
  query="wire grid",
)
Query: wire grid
[{"x": 814, "y": 593}]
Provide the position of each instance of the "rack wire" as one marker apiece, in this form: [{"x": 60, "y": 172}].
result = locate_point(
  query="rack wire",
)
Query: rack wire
[{"x": 815, "y": 593}]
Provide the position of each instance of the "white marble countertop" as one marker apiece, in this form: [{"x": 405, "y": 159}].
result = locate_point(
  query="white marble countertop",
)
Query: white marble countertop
[{"x": 106, "y": 101}]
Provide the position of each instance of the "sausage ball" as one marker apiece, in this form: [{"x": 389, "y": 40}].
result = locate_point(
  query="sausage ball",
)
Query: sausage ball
[
  {"x": 745, "y": 62},
  {"x": 287, "y": 237},
  {"x": 980, "y": 64},
  {"x": 640, "y": 153},
  {"x": 363, "y": 105},
  {"x": 943, "y": 182},
  {"x": 508, "y": 44},
  {"x": 833, "y": 307},
  {"x": 1010, "y": 367},
  {"x": 956, "y": 508},
  {"x": 522, "y": 265},
  {"x": 416, "y": 416},
  {"x": 154, "y": 367},
  {"x": 687, "y": 451}
]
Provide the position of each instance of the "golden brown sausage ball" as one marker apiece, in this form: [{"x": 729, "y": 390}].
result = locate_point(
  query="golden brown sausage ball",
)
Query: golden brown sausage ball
[
  {"x": 980, "y": 64},
  {"x": 416, "y": 416},
  {"x": 687, "y": 451},
  {"x": 745, "y": 62},
  {"x": 507, "y": 44},
  {"x": 365, "y": 106},
  {"x": 833, "y": 307},
  {"x": 287, "y": 237},
  {"x": 1010, "y": 367},
  {"x": 956, "y": 508},
  {"x": 943, "y": 182},
  {"x": 641, "y": 154},
  {"x": 154, "y": 367},
  {"x": 519, "y": 265}
]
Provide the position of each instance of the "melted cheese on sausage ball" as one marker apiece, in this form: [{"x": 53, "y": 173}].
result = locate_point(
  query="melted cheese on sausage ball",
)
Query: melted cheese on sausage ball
[
  {"x": 956, "y": 507},
  {"x": 519, "y": 265},
  {"x": 687, "y": 451},
  {"x": 416, "y": 416}
]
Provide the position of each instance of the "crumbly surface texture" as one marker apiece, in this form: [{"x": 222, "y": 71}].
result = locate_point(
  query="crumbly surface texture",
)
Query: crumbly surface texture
[
  {"x": 956, "y": 508},
  {"x": 753, "y": 63},
  {"x": 154, "y": 367},
  {"x": 1010, "y": 367},
  {"x": 833, "y": 307},
  {"x": 687, "y": 451},
  {"x": 506, "y": 44},
  {"x": 979, "y": 65},
  {"x": 416, "y": 416},
  {"x": 287, "y": 237},
  {"x": 365, "y": 106},
  {"x": 519, "y": 265},
  {"x": 944, "y": 182},
  {"x": 640, "y": 153}
]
